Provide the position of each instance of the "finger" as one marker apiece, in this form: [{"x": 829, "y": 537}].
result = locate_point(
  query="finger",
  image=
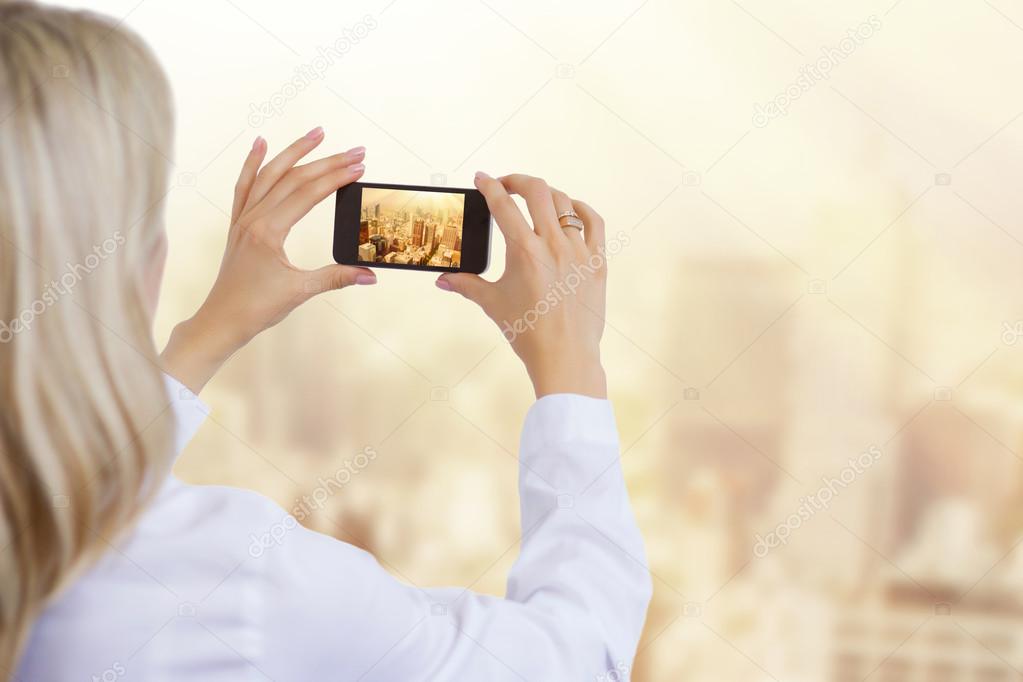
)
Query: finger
[
  {"x": 282, "y": 217},
  {"x": 509, "y": 218},
  {"x": 594, "y": 225},
  {"x": 539, "y": 202},
  {"x": 281, "y": 163},
  {"x": 300, "y": 175},
  {"x": 333, "y": 277},
  {"x": 472, "y": 287},
  {"x": 563, "y": 204},
  {"x": 247, "y": 177}
]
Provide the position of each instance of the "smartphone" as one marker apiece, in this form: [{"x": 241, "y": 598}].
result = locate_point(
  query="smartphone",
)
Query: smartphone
[{"x": 412, "y": 227}]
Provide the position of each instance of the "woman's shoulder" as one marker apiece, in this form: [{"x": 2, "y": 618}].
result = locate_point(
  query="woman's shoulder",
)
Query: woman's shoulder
[
  {"x": 211, "y": 570},
  {"x": 197, "y": 511},
  {"x": 241, "y": 529}
]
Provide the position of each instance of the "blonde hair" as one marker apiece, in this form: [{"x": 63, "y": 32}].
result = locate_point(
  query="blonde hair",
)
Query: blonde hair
[{"x": 85, "y": 119}]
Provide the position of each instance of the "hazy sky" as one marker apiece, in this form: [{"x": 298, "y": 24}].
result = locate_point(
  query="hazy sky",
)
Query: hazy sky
[{"x": 393, "y": 199}]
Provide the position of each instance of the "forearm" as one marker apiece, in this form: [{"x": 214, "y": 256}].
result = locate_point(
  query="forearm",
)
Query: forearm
[{"x": 582, "y": 556}]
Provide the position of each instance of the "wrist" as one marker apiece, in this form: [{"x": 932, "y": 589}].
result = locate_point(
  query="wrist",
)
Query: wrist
[
  {"x": 582, "y": 374},
  {"x": 195, "y": 351}
]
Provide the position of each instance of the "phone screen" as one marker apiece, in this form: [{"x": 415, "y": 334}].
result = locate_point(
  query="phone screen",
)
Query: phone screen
[
  {"x": 407, "y": 227},
  {"x": 412, "y": 227}
]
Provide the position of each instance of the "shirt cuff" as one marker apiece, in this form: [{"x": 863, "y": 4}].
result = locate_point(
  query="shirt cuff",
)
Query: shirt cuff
[
  {"x": 189, "y": 412},
  {"x": 569, "y": 439}
]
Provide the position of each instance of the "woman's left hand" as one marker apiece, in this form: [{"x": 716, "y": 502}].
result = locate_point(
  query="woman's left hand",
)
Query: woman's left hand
[{"x": 257, "y": 285}]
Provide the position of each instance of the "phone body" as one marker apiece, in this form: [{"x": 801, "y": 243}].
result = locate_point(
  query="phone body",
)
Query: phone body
[{"x": 412, "y": 227}]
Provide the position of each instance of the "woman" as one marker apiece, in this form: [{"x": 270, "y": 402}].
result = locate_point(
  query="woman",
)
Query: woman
[{"x": 110, "y": 568}]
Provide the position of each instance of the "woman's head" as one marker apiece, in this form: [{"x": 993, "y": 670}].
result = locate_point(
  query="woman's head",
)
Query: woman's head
[{"x": 85, "y": 131}]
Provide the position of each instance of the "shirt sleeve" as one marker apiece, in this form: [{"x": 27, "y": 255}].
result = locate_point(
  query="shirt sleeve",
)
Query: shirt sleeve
[
  {"x": 576, "y": 597},
  {"x": 188, "y": 410}
]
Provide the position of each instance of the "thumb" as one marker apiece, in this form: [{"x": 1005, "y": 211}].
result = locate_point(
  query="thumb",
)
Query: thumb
[
  {"x": 473, "y": 287},
  {"x": 331, "y": 277}
]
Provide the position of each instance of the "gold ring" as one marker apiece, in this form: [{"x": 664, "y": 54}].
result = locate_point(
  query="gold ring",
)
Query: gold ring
[
  {"x": 572, "y": 221},
  {"x": 567, "y": 213}
]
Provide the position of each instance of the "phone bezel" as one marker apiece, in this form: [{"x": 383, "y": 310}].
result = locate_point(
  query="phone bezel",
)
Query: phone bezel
[{"x": 477, "y": 226}]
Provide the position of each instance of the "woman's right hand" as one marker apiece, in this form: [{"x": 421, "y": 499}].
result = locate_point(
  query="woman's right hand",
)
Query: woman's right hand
[{"x": 550, "y": 300}]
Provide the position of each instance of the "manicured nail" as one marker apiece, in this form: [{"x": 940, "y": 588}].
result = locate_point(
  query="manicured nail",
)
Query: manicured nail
[
  {"x": 356, "y": 151},
  {"x": 366, "y": 279},
  {"x": 443, "y": 284},
  {"x": 315, "y": 133},
  {"x": 480, "y": 175},
  {"x": 357, "y": 168},
  {"x": 257, "y": 143}
]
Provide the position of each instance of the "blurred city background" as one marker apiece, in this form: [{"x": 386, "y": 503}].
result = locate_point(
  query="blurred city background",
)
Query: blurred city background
[{"x": 813, "y": 335}]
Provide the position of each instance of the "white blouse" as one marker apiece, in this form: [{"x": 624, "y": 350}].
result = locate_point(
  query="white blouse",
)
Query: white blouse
[{"x": 185, "y": 597}]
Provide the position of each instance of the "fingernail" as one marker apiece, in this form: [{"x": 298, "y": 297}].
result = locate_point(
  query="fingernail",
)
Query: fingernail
[
  {"x": 480, "y": 175},
  {"x": 356, "y": 151},
  {"x": 257, "y": 143},
  {"x": 314, "y": 133},
  {"x": 357, "y": 168},
  {"x": 443, "y": 284},
  {"x": 366, "y": 279}
]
